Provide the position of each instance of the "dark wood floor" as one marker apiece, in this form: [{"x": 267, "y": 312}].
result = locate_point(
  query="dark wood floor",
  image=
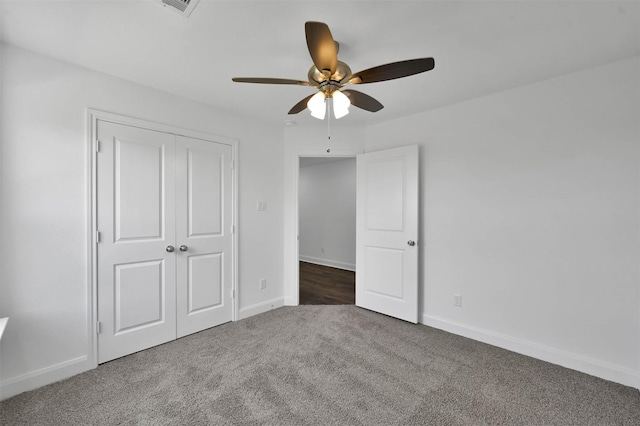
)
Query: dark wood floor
[{"x": 322, "y": 285}]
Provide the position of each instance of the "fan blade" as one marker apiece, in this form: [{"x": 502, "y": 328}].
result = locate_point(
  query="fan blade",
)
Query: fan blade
[
  {"x": 362, "y": 100},
  {"x": 322, "y": 48},
  {"x": 301, "y": 106},
  {"x": 270, "y": 81},
  {"x": 392, "y": 71}
]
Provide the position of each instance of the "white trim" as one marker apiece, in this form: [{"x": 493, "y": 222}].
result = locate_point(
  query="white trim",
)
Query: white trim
[
  {"x": 92, "y": 228},
  {"x": 291, "y": 228},
  {"x": 328, "y": 262},
  {"x": 159, "y": 127},
  {"x": 594, "y": 367},
  {"x": 289, "y": 301},
  {"x": 93, "y": 116},
  {"x": 261, "y": 307},
  {"x": 44, "y": 376},
  {"x": 234, "y": 216}
]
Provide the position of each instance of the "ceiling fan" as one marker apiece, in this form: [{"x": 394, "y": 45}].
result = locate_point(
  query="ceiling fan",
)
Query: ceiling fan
[{"x": 329, "y": 76}]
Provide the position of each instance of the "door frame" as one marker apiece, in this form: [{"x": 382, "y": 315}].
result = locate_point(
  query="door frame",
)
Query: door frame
[
  {"x": 93, "y": 116},
  {"x": 291, "y": 220}
]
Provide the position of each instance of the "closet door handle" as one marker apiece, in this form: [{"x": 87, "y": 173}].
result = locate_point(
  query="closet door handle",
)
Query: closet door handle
[
  {"x": 184, "y": 248},
  {"x": 170, "y": 249},
  {"x": 411, "y": 243}
]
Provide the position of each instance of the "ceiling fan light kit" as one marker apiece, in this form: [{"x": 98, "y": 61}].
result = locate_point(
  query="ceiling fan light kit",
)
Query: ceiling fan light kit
[
  {"x": 341, "y": 104},
  {"x": 317, "y": 105},
  {"x": 329, "y": 75}
]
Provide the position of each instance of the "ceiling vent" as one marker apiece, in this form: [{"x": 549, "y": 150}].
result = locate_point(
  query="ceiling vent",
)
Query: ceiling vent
[{"x": 183, "y": 7}]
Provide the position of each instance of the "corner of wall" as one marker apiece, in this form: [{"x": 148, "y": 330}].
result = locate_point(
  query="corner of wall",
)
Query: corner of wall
[{"x": 261, "y": 307}]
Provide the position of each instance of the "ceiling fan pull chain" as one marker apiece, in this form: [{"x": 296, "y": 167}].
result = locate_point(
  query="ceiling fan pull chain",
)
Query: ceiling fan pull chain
[{"x": 329, "y": 118}]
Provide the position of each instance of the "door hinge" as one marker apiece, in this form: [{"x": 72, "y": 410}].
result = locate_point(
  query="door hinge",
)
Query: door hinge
[
  {"x": 97, "y": 237},
  {"x": 98, "y": 327},
  {"x": 98, "y": 145},
  {"x": 233, "y": 293},
  {"x": 233, "y": 165},
  {"x": 233, "y": 229}
]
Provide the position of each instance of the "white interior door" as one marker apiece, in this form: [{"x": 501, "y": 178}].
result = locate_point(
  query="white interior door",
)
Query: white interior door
[
  {"x": 387, "y": 232},
  {"x": 204, "y": 239},
  {"x": 165, "y": 255},
  {"x": 136, "y": 219}
]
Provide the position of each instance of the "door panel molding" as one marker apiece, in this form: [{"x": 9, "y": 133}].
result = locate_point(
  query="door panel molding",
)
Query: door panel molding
[
  {"x": 95, "y": 115},
  {"x": 155, "y": 312},
  {"x": 204, "y": 299}
]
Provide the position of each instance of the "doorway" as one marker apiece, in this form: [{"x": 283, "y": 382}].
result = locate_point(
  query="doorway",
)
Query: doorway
[{"x": 327, "y": 230}]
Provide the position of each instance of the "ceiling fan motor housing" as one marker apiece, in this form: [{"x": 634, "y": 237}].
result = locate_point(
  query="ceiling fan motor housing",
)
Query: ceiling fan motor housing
[{"x": 333, "y": 83}]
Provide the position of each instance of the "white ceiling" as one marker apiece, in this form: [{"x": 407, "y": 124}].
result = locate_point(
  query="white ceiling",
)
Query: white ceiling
[{"x": 480, "y": 47}]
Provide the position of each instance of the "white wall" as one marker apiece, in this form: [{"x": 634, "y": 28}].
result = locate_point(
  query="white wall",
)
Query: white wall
[
  {"x": 530, "y": 211},
  {"x": 43, "y": 281},
  {"x": 327, "y": 212}
]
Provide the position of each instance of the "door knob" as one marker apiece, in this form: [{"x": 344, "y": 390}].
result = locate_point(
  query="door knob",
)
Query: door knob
[
  {"x": 184, "y": 248},
  {"x": 411, "y": 243},
  {"x": 170, "y": 249}
]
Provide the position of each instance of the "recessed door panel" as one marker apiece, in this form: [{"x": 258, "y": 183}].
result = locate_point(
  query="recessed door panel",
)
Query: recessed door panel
[
  {"x": 205, "y": 281},
  {"x": 385, "y": 194},
  {"x": 139, "y": 295},
  {"x": 384, "y": 270},
  {"x": 139, "y": 189},
  {"x": 205, "y": 190}
]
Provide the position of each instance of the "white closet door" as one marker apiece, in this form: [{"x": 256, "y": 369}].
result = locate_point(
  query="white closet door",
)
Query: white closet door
[
  {"x": 203, "y": 234},
  {"x": 136, "y": 221}
]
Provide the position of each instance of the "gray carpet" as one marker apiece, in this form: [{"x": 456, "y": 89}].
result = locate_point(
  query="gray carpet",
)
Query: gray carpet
[{"x": 326, "y": 365}]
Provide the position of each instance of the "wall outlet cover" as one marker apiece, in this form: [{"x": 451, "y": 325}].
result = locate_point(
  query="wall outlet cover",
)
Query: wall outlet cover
[{"x": 457, "y": 300}]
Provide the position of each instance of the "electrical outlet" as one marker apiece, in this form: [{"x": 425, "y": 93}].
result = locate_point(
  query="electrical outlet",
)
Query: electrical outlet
[
  {"x": 263, "y": 283},
  {"x": 321, "y": 249},
  {"x": 457, "y": 300}
]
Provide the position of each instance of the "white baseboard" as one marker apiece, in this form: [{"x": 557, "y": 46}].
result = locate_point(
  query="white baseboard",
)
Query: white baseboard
[
  {"x": 259, "y": 308},
  {"x": 328, "y": 262},
  {"x": 593, "y": 367},
  {"x": 290, "y": 301},
  {"x": 43, "y": 377}
]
